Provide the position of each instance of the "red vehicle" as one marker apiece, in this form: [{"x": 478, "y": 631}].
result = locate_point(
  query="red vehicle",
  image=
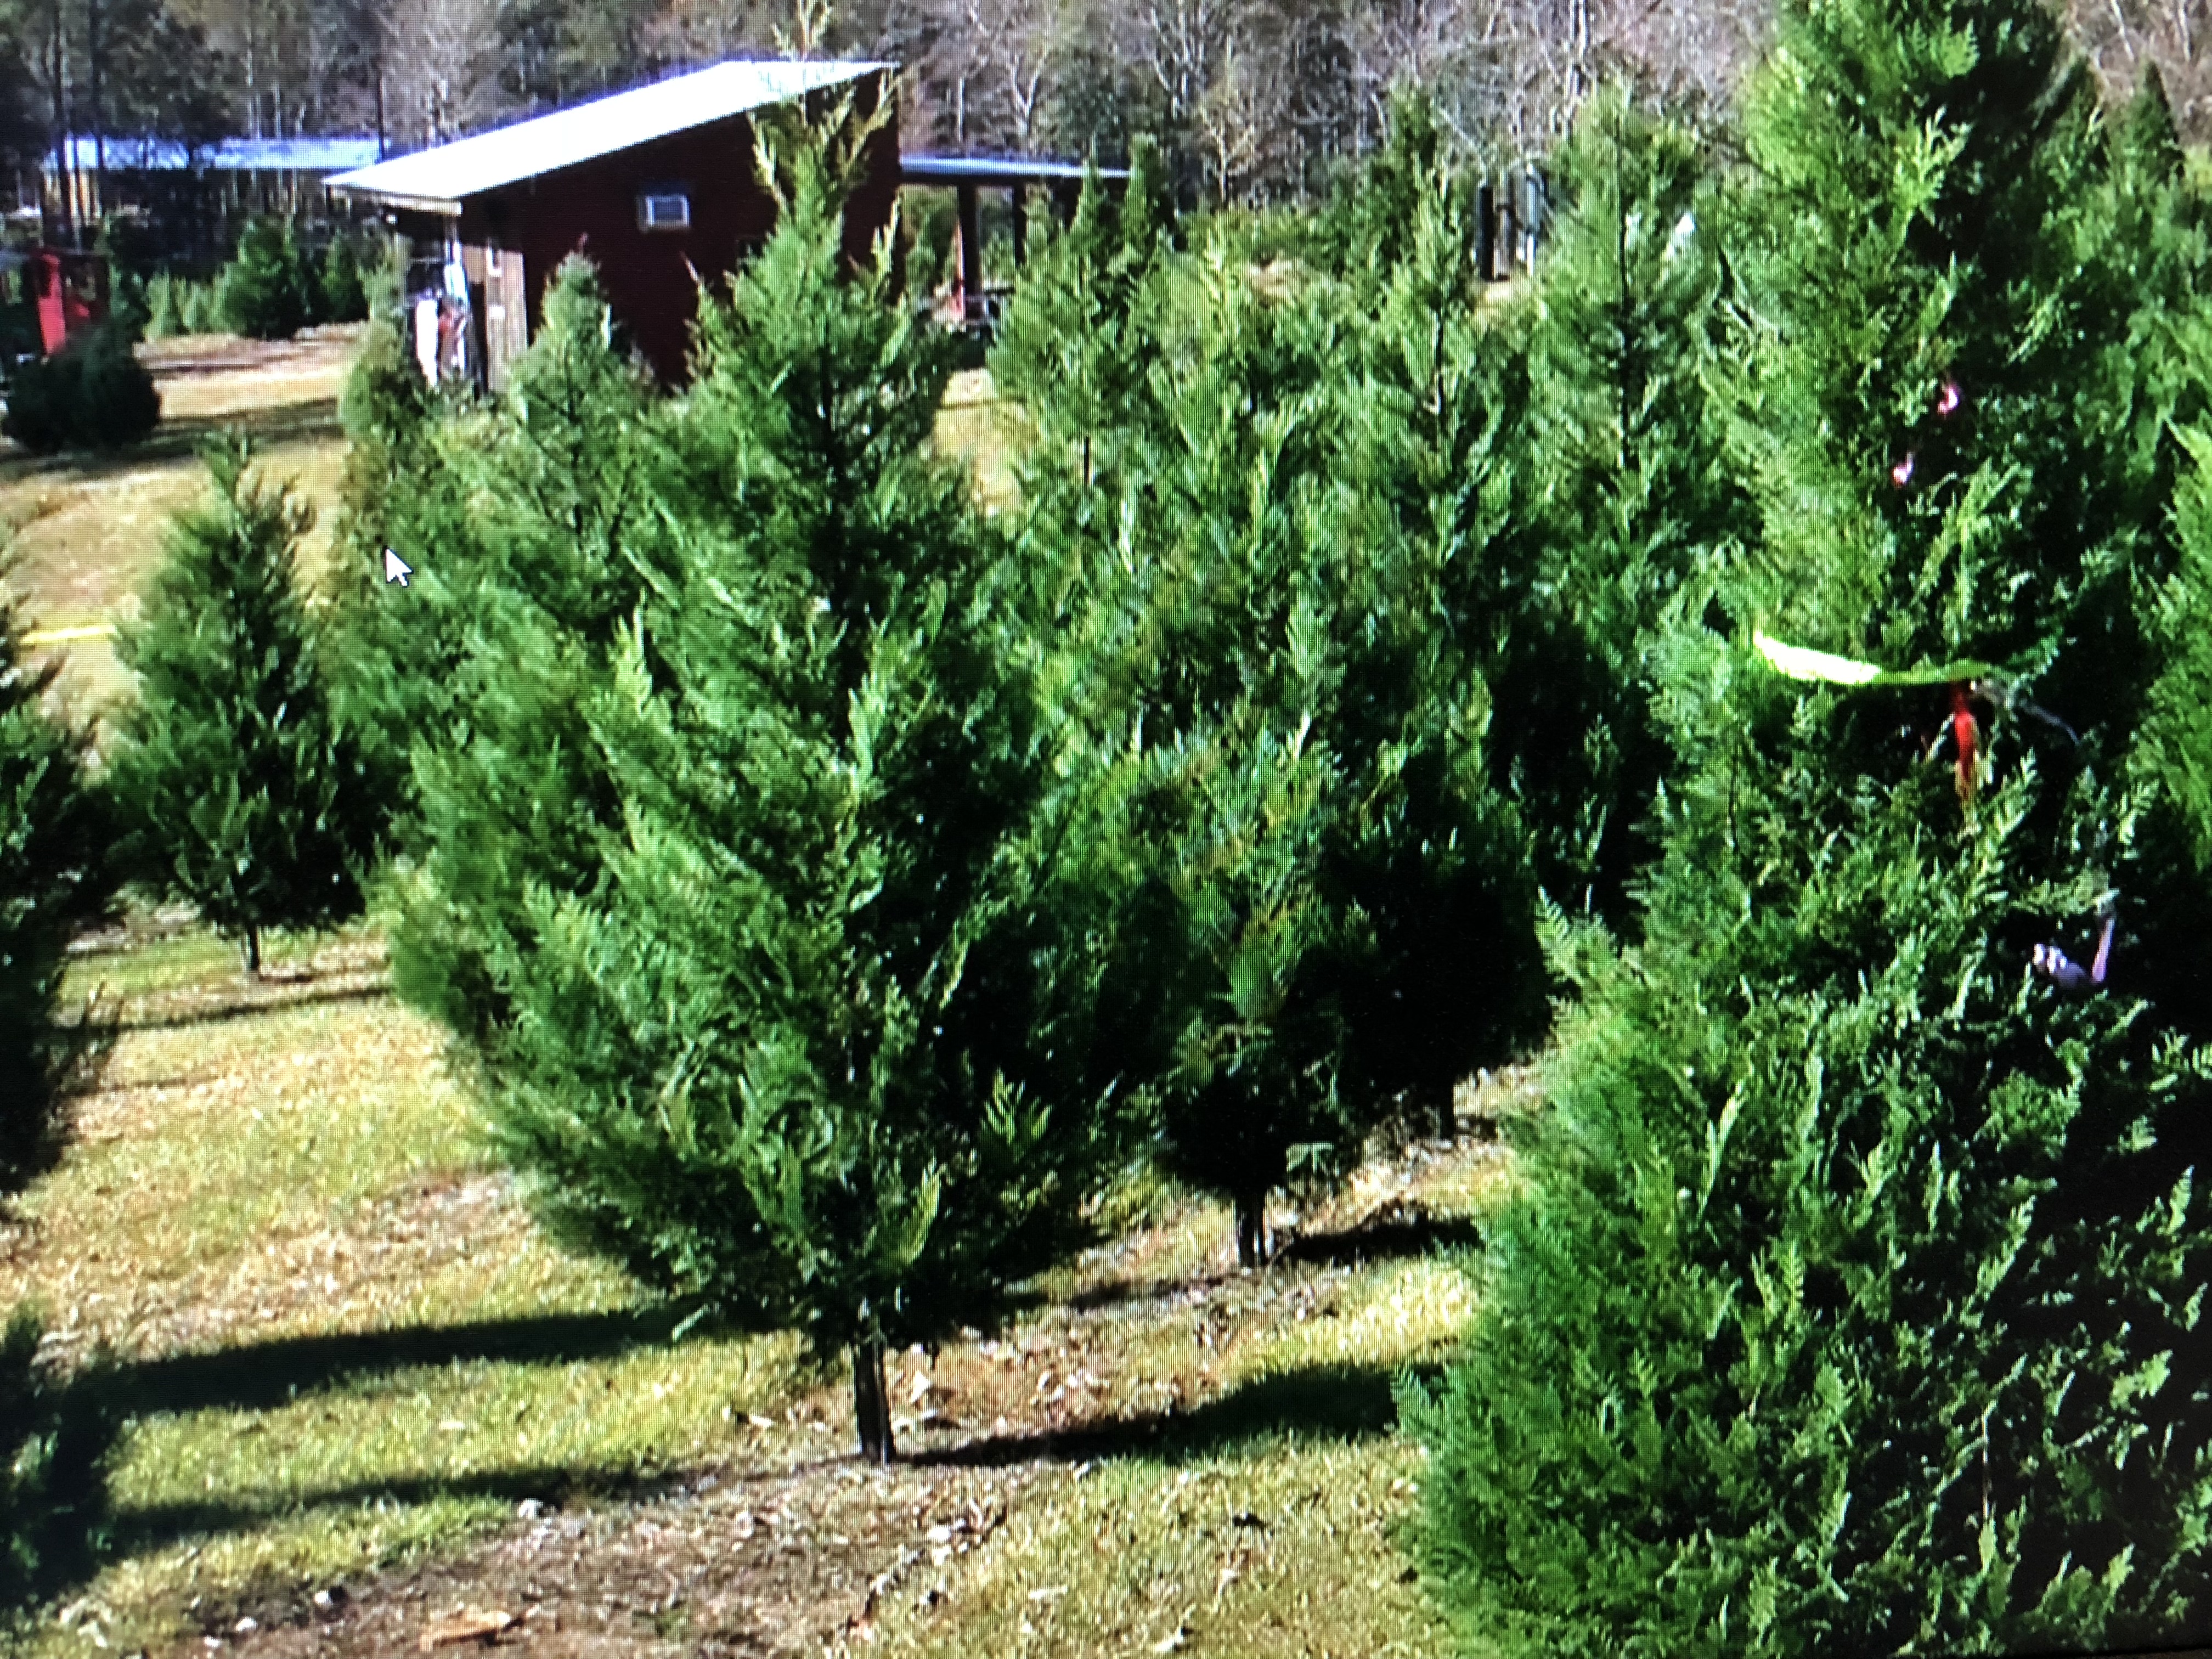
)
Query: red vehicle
[{"x": 50, "y": 296}]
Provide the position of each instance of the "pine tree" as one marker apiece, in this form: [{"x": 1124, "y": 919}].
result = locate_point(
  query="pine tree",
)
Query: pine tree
[
  {"x": 394, "y": 651},
  {"x": 1852, "y": 1304},
  {"x": 1484, "y": 663},
  {"x": 780, "y": 1056},
  {"x": 259, "y": 292},
  {"x": 344, "y": 299},
  {"x": 242, "y": 792},
  {"x": 1295, "y": 748},
  {"x": 1625, "y": 485},
  {"x": 513, "y": 625},
  {"x": 51, "y": 878}
]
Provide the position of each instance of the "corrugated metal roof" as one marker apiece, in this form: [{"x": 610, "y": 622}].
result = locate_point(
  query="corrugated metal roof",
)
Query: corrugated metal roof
[
  {"x": 547, "y": 144},
  {"x": 997, "y": 170},
  {"x": 315, "y": 155}
]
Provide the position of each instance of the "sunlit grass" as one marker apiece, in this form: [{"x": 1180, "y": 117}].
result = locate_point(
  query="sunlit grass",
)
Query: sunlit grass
[{"x": 268, "y": 1212}]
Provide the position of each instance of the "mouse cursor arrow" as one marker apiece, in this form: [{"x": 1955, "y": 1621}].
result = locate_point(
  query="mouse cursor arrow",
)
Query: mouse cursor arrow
[{"x": 396, "y": 569}]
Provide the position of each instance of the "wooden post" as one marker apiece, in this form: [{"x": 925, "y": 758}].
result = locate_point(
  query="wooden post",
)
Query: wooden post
[
  {"x": 1507, "y": 227},
  {"x": 1485, "y": 231},
  {"x": 971, "y": 256},
  {"x": 1021, "y": 224}
]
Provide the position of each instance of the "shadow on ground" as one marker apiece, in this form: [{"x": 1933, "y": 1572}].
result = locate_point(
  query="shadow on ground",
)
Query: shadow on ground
[
  {"x": 177, "y": 438},
  {"x": 1333, "y": 1403},
  {"x": 262, "y": 1375},
  {"x": 1391, "y": 1236},
  {"x": 246, "y": 1002}
]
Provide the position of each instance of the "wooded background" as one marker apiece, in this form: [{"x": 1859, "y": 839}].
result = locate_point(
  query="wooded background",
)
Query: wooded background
[{"x": 1256, "y": 99}]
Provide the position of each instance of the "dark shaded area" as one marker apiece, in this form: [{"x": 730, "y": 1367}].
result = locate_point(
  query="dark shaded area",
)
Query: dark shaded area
[
  {"x": 1338, "y": 1402},
  {"x": 1389, "y": 1237},
  {"x": 54, "y": 1444},
  {"x": 265, "y": 1375},
  {"x": 224, "y": 1011},
  {"x": 137, "y": 1530}
]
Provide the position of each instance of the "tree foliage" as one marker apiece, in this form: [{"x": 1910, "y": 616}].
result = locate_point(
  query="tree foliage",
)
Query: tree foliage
[
  {"x": 1852, "y": 1303},
  {"x": 241, "y": 790},
  {"x": 52, "y": 878}
]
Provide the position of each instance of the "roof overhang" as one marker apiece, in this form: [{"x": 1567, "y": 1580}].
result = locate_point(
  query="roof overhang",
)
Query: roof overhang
[
  {"x": 1000, "y": 170},
  {"x": 451, "y": 174},
  {"x": 439, "y": 206}
]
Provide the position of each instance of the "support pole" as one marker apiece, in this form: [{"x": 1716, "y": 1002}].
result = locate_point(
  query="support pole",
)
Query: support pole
[
  {"x": 1021, "y": 224},
  {"x": 971, "y": 256}
]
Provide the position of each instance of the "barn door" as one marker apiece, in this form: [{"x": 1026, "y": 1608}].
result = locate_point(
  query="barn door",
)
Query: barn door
[{"x": 506, "y": 316}]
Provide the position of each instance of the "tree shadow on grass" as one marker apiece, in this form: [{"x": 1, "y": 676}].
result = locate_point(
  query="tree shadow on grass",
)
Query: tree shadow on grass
[
  {"x": 1394, "y": 1235},
  {"x": 1323, "y": 1402},
  {"x": 141, "y": 1529},
  {"x": 262, "y": 1375},
  {"x": 58, "y": 1525},
  {"x": 215, "y": 1008}
]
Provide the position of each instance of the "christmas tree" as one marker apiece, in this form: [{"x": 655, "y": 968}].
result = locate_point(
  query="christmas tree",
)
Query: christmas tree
[
  {"x": 51, "y": 878},
  {"x": 1337, "y": 895},
  {"x": 1626, "y": 486},
  {"x": 525, "y": 606},
  {"x": 783, "y": 1056},
  {"x": 243, "y": 793},
  {"x": 1852, "y": 1305}
]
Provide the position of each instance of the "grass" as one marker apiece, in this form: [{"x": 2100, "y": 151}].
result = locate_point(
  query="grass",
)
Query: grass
[
  {"x": 343, "y": 1352},
  {"x": 975, "y": 423},
  {"x": 339, "y": 1340},
  {"x": 87, "y": 530}
]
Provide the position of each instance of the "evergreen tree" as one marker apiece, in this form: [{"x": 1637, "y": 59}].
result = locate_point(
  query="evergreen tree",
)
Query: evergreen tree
[
  {"x": 513, "y": 627},
  {"x": 344, "y": 299},
  {"x": 259, "y": 292},
  {"x": 782, "y": 1055},
  {"x": 242, "y": 792},
  {"x": 1294, "y": 745},
  {"x": 395, "y": 651},
  {"x": 52, "y": 835},
  {"x": 1481, "y": 661},
  {"x": 1625, "y": 485},
  {"x": 1852, "y": 1305}
]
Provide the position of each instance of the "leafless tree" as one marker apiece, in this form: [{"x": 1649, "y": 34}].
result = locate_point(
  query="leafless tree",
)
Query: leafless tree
[{"x": 442, "y": 63}]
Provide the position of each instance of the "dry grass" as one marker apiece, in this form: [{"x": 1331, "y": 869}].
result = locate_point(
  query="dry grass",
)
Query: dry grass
[
  {"x": 347, "y": 1355},
  {"x": 87, "y": 530},
  {"x": 988, "y": 431},
  {"x": 340, "y": 1338}
]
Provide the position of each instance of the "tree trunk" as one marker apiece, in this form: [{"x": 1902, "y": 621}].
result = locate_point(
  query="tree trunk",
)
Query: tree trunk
[
  {"x": 872, "y": 1407},
  {"x": 253, "y": 953},
  {"x": 1252, "y": 1229}
]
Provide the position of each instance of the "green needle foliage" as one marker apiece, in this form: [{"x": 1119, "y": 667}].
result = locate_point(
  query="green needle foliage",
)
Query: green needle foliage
[
  {"x": 1286, "y": 728},
  {"x": 242, "y": 792},
  {"x": 55, "y": 1437},
  {"x": 51, "y": 878},
  {"x": 1626, "y": 485},
  {"x": 792, "y": 1052},
  {"x": 1853, "y": 1302},
  {"x": 507, "y": 629}
]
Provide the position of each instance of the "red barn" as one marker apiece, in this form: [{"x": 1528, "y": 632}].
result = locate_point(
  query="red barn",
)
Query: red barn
[{"x": 651, "y": 185}]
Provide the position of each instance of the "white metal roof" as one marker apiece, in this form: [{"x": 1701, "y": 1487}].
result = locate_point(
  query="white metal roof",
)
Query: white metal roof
[
  {"x": 131, "y": 153},
  {"x": 440, "y": 179}
]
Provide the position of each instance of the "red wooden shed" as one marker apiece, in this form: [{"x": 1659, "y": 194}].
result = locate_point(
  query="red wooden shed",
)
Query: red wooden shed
[{"x": 651, "y": 185}]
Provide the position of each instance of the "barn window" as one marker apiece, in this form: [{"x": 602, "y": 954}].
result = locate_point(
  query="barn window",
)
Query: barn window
[{"x": 663, "y": 210}]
